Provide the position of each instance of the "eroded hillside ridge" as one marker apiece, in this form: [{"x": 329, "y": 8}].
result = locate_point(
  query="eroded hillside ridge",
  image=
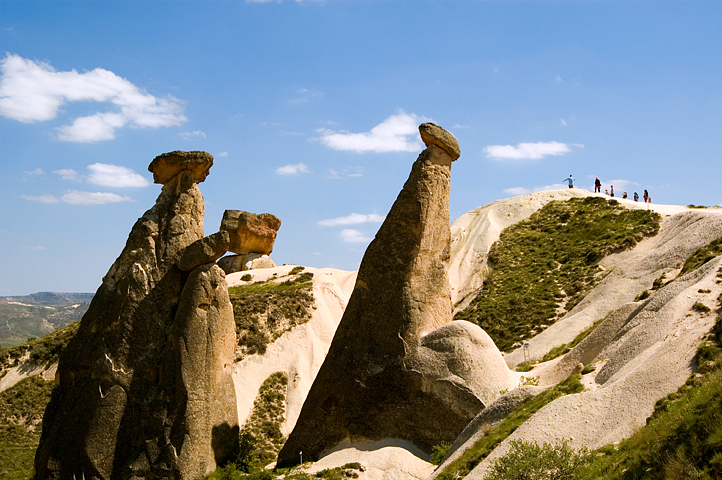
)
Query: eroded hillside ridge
[
  {"x": 395, "y": 369},
  {"x": 144, "y": 387}
]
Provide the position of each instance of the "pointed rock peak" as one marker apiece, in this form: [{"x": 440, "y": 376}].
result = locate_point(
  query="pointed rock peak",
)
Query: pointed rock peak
[
  {"x": 166, "y": 166},
  {"x": 432, "y": 134}
]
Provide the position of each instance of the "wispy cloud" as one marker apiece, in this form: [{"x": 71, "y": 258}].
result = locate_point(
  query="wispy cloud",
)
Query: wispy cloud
[
  {"x": 41, "y": 198},
  {"x": 37, "y": 171},
  {"x": 32, "y": 91},
  {"x": 353, "y": 236},
  {"x": 222, "y": 154},
  {"x": 353, "y": 219},
  {"x": 532, "y": 151},
  {"x": 67, "y": 173},
  {"x": 75, "y": 197},
  {"x": 293, "y": 169},
  {"x": 304, "y": 95},
  {"x": 35, "y": 247},
  {"x": 189, "y": 135},
  {"x": 350, "y": 172},
  {"x": 398, "y": 133},
  {"x": 115, "y": 176}
]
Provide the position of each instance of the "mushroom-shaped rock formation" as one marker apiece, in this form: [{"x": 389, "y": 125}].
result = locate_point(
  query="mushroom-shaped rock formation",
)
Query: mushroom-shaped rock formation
[
  {"x": 145, "y": 387},
  {"x": 165, "y": 167},
  {"x": 396, "y": 367},
  {"x": 250, "y": 232}
]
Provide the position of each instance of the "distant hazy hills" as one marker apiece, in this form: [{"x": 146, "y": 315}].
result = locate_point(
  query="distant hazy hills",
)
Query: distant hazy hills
[{"x": 38, "y": 314}]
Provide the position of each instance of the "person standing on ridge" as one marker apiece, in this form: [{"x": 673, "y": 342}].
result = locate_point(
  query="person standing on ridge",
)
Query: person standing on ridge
[
  {"x": 597, "y": 186},
  {"x": 570, "y": 180},
  {"x": 611, "y": 190},
  {"x": 645, "y": 196},
  {"x": 636, "y": 197}
]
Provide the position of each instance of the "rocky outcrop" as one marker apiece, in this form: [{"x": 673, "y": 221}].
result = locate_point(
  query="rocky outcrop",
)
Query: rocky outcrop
[
  {"x": 145, "y": 387},
  {"x": 391, "y": 372},
  {"x": 250, "y": 261},
  {"x": 250, "y": 233}
]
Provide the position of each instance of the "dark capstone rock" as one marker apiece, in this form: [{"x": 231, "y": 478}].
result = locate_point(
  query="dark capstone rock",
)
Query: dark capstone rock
[
  {"x": 166, "y": 166},
  {"x": 127, "y": 404},
  {"x": 384, "y": 375}
]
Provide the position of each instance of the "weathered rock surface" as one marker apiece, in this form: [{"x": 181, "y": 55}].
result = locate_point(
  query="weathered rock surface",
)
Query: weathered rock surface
[
  {"x": 250, "y": 261},
  {"x": 205, "y": 250},
  {"x": 144, "y": 386},
  {"x": 166, "y": 166},
  {"x": 250, "y": 233},
  {"x": 389, "y": 372}
]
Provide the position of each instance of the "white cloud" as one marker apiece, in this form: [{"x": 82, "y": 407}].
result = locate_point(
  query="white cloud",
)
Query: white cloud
[
  {"x": 517, "y": 191},
  {"x": 222, "y": 154},
  {"x": 353, "y": 219},
  {"x": 36, "y": 247},
  {"x": 563, "y": 122},
  {"x": 115, "y": 176},
  {"x": 37, "y": 171},
  {"x": 345, "y": 173},
  {"x": 353, "y": 236},
  {"x": 189, "y": 135},
  {"x": 40, "y": 198},
  {"x": 75, "y": 197},
  {"x": 32, "y": 91},
  {"x": 398, "y": 133},
  {"x": 533, "y": 151},
  {"x": 67, "y": 173},
  {"x": 580, "y": 145},
  {"x": 293, "y": 169}
]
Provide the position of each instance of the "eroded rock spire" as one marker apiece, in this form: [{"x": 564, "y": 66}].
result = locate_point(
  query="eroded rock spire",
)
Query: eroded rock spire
[
  {"x": 397, "y": 367},
  {"x": 145, "y": 388}
]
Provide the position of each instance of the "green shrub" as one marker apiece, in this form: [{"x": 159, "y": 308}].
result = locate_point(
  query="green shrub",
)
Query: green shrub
[
  {"x": 645, "y": 294},
  {"x": 588, "y": 369},
  {"x": 700, "y": 307},
  {"x": 247, "y": 277},
  {"x": 540, "y": 268},
  {"x": 702, "y": 255},
  {"x": 296, "y": 270},
  {"x": 438, "y": 452},
  {"x": 564, "y": 349},
  {"x": 530, "y": 461}
]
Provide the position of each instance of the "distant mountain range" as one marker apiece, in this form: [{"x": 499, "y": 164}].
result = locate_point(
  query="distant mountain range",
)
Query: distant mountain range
[{"x": 38, "y": 314}]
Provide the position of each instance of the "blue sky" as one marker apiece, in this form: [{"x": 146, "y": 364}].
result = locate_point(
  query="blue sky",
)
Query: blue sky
[{"x": 310, "y": 109}]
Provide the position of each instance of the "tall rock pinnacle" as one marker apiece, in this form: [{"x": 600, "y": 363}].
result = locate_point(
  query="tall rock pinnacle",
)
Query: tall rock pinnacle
[
  {"x": 397, "y": 367},
  {"x": 145, "y": 388}
]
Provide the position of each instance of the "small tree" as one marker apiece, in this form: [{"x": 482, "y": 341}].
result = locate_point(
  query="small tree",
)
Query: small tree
[{"x": 530, "y": 461}]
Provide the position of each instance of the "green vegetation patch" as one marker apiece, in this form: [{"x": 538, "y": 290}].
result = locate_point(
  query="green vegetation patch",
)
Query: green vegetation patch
[
  {"x": 702, "y": 255},
  {"x": 461, "y": 467},
  {"x": 21, "y": 416},
  {"x": 42, "y": 351},
  {"x": 269, "y": 412},
  {"x": 564, "y": 349},
  {"x": 543, "y": 266},
  {"x": 266, "y": 310},
  {"x": 530, "y": 461}
]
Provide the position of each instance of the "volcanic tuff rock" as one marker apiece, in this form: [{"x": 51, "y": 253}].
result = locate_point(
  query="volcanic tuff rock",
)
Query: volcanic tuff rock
[
  {"x": 250, "y": 233},
  {"x": 396, "y": 367},
  {"x": 145, "y": 388}
]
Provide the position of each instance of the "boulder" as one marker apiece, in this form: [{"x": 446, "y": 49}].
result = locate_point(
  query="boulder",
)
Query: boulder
[
  {"x": 391, "y": 372},
  {"x": 204, "y": 250},
  {"x": 166, "y": 166},
  {"x": 250, "y": 233},
  {"x": 432, "y": 134},
  {"x": 250, "y": 261},
  {"x": 145, "y": 388}
]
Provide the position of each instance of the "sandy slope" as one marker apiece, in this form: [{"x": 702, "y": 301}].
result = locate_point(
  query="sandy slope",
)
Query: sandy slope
[
  {"x": 651, "y": 356},
  {"x": 299, "y": 352}
]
